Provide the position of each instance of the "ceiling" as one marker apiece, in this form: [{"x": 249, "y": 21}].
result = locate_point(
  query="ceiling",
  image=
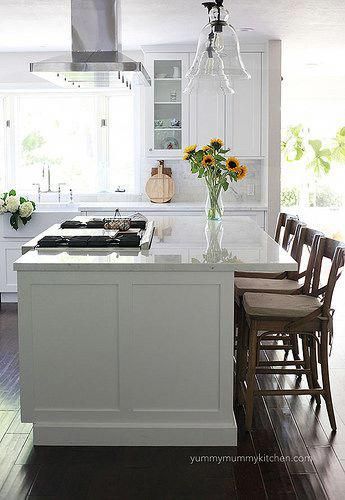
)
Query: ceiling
[{"x": 312, "y": 31}]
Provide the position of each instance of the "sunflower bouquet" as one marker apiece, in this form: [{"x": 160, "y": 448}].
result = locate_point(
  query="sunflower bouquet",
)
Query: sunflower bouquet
[{"x": 210, "y": 162}]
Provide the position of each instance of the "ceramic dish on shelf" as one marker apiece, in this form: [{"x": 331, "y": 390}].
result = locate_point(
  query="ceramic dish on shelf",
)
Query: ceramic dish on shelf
[
  {"x": 161, "y": 75},
  {"x": 169, "y": 143}
]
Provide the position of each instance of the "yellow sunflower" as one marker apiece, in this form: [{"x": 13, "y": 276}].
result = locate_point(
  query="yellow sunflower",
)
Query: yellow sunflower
[
  {"x": 205, "y": 148},
  {"x": 241, "y": 172},
  {"x": 208, "y": 161},
  {"x": 216, "y": 143},
  {"x": 232, "y": 163},
  {"x": 190, "y": 149}
]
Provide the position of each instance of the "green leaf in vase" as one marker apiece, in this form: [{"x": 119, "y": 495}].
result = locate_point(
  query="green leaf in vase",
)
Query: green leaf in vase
[
  {"x": 194, "y": 169},
  {"x": 14, "y": 221},
  {"x": 199, "y": 155}
]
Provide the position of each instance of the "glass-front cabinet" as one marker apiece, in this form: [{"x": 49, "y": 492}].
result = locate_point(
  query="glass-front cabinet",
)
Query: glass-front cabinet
[{"x": 167, "y": 110}]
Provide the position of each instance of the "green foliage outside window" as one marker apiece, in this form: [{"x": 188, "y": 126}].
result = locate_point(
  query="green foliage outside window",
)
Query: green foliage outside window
[
  {"x": 297, "y": 146},
  {"x": 34, "y": 152}
]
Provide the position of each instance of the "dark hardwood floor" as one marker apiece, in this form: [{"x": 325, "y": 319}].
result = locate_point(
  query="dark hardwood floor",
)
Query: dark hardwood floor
[{"x": 283, "y": 426}]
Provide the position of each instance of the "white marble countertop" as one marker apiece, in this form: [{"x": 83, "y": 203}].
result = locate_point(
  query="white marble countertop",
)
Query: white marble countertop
[
  {"x": 181, "y": 243},
  {"x": 147, "y": 206}
]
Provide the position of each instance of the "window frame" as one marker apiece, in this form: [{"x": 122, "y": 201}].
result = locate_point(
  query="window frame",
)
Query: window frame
[{"x": 11, "y": 101}]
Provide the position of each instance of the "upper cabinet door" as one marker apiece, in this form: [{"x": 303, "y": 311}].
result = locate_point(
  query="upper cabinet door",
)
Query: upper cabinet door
[
  {"x": 244, "y": 110},
  {"x": 167, "y": 107},
  {"x": 207, "y": 116}
]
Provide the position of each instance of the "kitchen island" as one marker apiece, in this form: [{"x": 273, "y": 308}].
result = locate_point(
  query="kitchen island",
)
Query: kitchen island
[{"x": 130, "y": 347}]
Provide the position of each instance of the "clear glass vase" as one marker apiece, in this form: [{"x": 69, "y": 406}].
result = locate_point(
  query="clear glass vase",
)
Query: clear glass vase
[
  {"x": 214, "y": 204},
  {"x": 214, "y": 236}
]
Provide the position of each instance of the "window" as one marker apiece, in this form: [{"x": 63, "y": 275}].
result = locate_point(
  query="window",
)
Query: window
[
  {"x": 60, "y": 133},
  {"x": 86, "y": 140},
  {"x": 2, "y": 143},
  {"x": 121, "y": 141}
]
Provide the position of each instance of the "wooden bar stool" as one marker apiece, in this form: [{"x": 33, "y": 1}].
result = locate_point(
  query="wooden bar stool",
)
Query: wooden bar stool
[
  {"x": 308, "y": 316},
  {"x": 292, "y": 238},
  {"x": 306, "y": 241}
]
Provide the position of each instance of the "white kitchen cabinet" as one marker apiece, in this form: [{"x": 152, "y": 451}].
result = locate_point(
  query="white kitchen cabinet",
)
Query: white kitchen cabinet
[
  {"x": 244, "y": 120},
  {"x": 237, "y": 118},
  {"x": 10, "y": 251},
  {"x": 167, "y": 107},
  {"x": 207, "y": 116}
]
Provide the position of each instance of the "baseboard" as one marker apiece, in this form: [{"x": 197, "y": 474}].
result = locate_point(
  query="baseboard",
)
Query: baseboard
[
  {"x": 7, "y": 297},
  {"x": 135, "y": 435}
]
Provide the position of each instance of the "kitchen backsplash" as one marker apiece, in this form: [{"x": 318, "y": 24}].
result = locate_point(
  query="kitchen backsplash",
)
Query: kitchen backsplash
[{"x": 188, "y": 188}]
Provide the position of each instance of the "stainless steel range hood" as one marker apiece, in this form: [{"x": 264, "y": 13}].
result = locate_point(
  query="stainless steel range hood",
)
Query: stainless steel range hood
[{"x": 96, "y": 60}]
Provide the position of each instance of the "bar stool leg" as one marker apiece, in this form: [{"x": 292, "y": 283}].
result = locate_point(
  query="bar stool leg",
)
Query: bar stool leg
[
  {"x": 325, "y": 376},
  {"x": 313, "y": 366},
  {"x": 253, "y": 345},
  {"x": 241, "y": 355},
  {"x": 307, "y": 363}
]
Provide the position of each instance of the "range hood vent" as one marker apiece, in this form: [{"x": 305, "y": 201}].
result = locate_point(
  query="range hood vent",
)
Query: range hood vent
[{"x": 95, "y": 60}]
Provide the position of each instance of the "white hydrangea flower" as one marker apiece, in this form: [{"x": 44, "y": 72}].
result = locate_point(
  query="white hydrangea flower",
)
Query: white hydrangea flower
[
  {"x": 26, "y": 209},
  {"x": 12, "y": 203},
  {"x": 3, "y": 208}
]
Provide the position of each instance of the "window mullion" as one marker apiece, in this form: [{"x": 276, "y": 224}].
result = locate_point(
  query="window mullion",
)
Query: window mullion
[
  {"x": 103, "y": 141},
  {"x": 10, "y": 113}
]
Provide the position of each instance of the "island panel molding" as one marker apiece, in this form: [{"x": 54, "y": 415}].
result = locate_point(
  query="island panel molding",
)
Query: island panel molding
[{"x": 105, "y": 355}]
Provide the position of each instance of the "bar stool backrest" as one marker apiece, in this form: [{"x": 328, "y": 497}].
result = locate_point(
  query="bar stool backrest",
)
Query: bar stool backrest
[
  {"x": 337, "y": 267},
  {"x": 309, "y": 257},
  {"x": 304, "y": 251},
  {"x": 291, "y": 227},
  {"x": 281, "y": 222},
  {"x": 328, "y": 267}
]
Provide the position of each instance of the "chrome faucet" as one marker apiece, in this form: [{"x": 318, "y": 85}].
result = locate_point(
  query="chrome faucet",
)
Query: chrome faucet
[{"x": 46, "y": 172}]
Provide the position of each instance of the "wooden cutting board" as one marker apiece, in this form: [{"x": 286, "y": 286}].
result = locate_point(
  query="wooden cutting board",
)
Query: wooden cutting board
[{"x": 160, "y": 188}]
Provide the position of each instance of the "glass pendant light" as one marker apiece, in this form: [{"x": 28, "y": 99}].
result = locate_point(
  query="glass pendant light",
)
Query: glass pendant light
[{"x": 218, "y": 57}]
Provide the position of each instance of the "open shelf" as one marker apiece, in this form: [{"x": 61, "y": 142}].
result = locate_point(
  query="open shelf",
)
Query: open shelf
[
  {"x": 168, "y": 128},
  {"x": 168, "y": 102},
  {"x": 167, "y": 79}
]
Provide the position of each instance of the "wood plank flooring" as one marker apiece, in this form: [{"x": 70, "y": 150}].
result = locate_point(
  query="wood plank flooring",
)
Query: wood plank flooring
[{"x": 283, "y": 426}]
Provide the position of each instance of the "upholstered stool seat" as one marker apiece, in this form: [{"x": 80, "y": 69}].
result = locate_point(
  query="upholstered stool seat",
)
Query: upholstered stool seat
[
  {"x": 257, "y": 285},
  {"x": 282, "y": 306}
]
